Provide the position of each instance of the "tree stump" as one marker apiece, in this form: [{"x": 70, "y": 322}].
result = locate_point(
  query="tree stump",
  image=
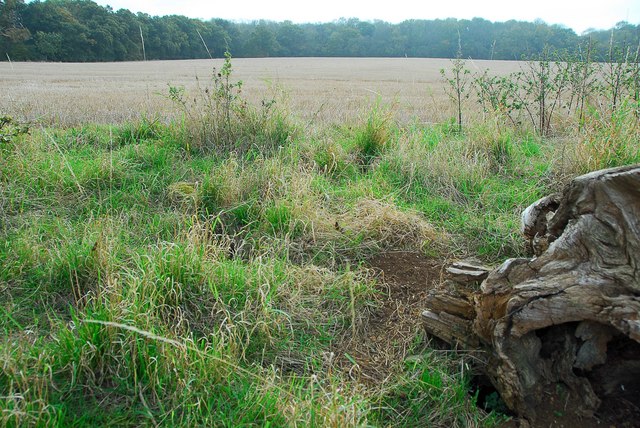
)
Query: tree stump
[{"x": 570, "y": 316}]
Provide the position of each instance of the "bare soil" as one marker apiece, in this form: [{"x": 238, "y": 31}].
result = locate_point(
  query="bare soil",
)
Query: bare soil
[{"x": 381, "y": 345}]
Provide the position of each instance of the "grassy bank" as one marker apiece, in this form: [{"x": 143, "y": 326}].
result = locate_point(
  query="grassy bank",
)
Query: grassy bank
[{"x": 214, "y": 270}]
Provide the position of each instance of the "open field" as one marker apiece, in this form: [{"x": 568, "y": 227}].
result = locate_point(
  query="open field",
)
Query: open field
[
  {"x": 318, "y": 89},
  {"x": 236, "y": 263}
]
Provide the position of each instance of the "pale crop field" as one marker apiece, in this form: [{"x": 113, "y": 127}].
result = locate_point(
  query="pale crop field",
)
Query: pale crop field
[{"x": 316, "y": 90}]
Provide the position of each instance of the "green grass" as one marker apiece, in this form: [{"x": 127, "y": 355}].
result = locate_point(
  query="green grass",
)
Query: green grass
[
  {"x": 154, "y": 278},
  {"x": 431, "y": 392}
]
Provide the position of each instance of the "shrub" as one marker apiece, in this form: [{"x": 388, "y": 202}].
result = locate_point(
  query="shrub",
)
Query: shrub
[
  {"x": 9, "y": 129},
  {"x": 219, "y": 119}
]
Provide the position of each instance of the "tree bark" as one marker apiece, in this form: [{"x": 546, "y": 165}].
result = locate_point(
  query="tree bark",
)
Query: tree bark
[{"x": 563, "y": 316}]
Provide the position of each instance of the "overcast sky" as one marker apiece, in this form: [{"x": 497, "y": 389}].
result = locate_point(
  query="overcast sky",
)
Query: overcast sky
[{"x": 576, "y": 14}]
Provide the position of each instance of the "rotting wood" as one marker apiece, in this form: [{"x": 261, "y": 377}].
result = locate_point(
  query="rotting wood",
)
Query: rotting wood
[{"x": 564, "y": 316}]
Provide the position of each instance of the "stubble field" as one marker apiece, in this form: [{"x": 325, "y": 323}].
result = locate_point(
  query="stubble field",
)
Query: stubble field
[{"x": 316, "y": 89}]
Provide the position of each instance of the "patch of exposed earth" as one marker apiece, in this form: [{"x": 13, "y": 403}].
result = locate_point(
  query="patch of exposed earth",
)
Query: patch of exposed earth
[{"x": 405, "y": 278}]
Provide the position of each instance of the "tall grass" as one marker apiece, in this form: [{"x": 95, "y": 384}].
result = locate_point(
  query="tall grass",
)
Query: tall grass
[{"x": 205, "y": 271}]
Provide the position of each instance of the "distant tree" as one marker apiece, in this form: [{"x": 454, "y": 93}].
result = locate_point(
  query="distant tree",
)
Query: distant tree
[
  {"x": 81, "y": 30},
  {"x": 49, "y": 45},
  {"x": 232, "y": 37},
  {"x": 129, "y": 40},
  {"x": 262, "y": 42},
  {"x": 477, "y": 38},
  {"x": 345, "y": 40},
  {"x": 623, "y": 36},
  {"x": 291, "y": 38},
  {"x": 383, "y": 42},
  {"x": 13, "y": 34},
  {"x": 57, "y": 19},
  {"x": 215, "y": 37}
]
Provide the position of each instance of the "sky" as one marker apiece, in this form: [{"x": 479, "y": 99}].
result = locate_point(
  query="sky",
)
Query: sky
[{"x": 578, "y": 15}]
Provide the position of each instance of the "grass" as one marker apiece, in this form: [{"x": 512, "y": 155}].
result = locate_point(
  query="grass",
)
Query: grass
[{"x": 153, "y": 281}]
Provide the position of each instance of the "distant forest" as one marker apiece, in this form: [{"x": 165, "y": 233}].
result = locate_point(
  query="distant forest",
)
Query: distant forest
[{"x": 81, "y": 30}]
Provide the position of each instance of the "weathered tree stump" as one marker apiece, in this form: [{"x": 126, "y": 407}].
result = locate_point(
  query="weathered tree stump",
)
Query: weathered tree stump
[{"x": 569, "y": 316}]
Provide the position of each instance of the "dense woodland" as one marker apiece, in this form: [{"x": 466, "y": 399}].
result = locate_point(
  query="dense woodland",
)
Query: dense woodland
[{"x": 81, "y": 30}]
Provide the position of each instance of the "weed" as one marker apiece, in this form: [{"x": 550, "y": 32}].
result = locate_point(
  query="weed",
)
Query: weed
[
  {"x": 219, "y": 119},
  {"x": 373, "y": 138},
  {"x": 457, "y": 84},
  {"x": 10, "y": 129}
]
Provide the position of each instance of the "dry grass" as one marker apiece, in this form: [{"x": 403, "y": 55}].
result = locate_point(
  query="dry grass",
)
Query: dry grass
[
  {"x": 156, "y": 283},
  {"x": 318, "y": 90}
]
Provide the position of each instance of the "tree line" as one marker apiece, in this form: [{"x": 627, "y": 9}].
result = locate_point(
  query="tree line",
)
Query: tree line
[{"x": 81, "y": 30}]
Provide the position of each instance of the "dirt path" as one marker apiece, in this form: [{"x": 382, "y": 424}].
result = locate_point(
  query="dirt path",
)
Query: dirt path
[{"x": 405, "y": 278}]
